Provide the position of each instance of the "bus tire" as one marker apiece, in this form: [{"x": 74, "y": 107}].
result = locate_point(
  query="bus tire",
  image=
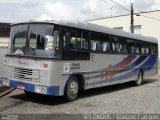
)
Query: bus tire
[
  {"x": 139, "y": 79},
  {"x": 72, "y": 89}
]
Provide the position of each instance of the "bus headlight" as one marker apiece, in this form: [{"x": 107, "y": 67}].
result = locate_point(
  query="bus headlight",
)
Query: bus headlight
[
  {"x": 44, "y": 65},
  {"x": 5, "y": 82},
  {"x": 40, "y": 89}
]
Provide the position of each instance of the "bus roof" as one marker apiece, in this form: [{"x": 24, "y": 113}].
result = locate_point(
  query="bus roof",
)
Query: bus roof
[{"x": 96, "y": 28}]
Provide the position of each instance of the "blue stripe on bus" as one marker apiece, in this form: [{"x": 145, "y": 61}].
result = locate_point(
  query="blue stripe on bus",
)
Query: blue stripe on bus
[
  {"x": 28, "y": 86},
  {"x": 137, "y": 62},
  {"x": 54, "y": 90},
  {"x": 151, "y": 62},
  {"x": 133, "y": 65},
  {"x": 51, "y": 90},
  {"x": 147, "y": 66}
]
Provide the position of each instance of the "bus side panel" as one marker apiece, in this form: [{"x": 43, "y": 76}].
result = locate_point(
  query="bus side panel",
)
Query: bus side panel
[
  {"x": 121, "y": 69},
  {"x": 102, "y": 70},
  {"x": 108, "y": 69},
  {"x": 150, "y": 68}
]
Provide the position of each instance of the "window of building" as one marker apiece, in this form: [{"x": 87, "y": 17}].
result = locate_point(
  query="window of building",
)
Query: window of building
[{"x": 137, "y": 29}]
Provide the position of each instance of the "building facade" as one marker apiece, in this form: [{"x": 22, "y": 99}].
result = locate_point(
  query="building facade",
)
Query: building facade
[{"x": 145, "y": 23}]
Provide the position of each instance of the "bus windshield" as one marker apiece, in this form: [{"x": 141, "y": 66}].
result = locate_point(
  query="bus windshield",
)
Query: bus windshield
[{"x": 34, "y": 40}]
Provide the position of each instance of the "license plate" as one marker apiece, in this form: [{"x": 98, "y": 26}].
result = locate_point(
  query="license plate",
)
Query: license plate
[{"x": 19, "y": 86}]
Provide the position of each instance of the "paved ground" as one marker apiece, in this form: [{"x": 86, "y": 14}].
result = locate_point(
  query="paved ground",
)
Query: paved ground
[{"x": 118, "y": 99}]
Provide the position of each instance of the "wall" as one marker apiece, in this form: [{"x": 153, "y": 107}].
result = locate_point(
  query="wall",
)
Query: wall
[{"x": 3, "y": 50}]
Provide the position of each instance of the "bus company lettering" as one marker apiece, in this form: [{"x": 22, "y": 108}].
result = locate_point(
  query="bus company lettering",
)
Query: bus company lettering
[
  {"x": 75, "y": 66},
  {"x": 110, "y": 71}
]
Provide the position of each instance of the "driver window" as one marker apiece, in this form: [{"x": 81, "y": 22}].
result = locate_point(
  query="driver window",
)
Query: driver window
[
  {"x": 75, "y": 40},
  {"x": 70, "y": 40}
]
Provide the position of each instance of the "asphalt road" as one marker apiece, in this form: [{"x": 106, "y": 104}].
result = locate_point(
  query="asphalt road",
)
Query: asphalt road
[{"x": 117, "y": 99}]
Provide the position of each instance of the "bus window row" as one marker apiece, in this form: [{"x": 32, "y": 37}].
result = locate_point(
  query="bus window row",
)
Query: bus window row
[{"x": 102, "y": 43}]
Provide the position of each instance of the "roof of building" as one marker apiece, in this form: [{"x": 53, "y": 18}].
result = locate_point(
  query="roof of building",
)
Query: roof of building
[
  {"x": 96, "y": 28},
  {"x": 4, "y": 29}
]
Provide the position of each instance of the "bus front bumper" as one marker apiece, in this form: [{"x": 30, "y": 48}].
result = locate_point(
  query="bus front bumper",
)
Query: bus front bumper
[{"x": 46, "y": 90}]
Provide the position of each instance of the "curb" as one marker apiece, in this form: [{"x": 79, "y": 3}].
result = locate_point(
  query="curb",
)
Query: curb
[{"x": 5, "y": 91}]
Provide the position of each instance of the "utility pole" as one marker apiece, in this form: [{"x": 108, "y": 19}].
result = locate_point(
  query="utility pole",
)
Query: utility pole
[{"x": 132, "y": 17}]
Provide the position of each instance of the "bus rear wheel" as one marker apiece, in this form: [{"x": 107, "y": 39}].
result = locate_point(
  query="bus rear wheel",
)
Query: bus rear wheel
[
  {"x": 139, "y": 80},
  {"x": 72, "y": 89}
]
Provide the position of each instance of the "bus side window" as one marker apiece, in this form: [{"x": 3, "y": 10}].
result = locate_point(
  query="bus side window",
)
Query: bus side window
[
  {"x": 105, "y": 47},
  {"x": 153, "y": 49},
  {"x": 100, "y": 43},
  {"x": 93, "y": 45},
  {"x": 156, "y": 49},
  {"x": 144, "y": 48},
  {"x": 115, "y": 44},
  {"x": 70, "y": 40},
  {"x": 82, "y": 41},
  {"x": 133, "y": 46},
  {"x": 99, "y": 46},
  {"x": 123, "y": 46}
]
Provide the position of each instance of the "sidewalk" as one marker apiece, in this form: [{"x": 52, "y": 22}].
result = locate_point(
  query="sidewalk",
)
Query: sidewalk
[{"x": 4, "y": 90}]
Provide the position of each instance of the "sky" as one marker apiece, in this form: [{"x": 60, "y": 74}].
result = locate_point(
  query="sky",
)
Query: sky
[{"x": 80, "y": 10}]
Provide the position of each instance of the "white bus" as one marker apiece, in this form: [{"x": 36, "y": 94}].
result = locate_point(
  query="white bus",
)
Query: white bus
[{"x": 60, "y": 58}]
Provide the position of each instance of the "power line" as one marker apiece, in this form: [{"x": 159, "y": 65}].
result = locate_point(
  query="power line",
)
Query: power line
[
  {"x": 141, "y": 12},
  {"x": 124, "y": 3},
  {"x": 154, "y": 15},
  {"x": 147, "y": 12},
  {"x": 147, "y": 17},
  {"x": 137, "y": 14},
  {"x": 120, "y": 5},
  {"x": 109, "y": 4}
]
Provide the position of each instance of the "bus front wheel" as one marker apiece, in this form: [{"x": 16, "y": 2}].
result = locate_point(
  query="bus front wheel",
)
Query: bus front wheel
[
  {"x": 72, "y": 88},
  {"x": 139, "y": 80}
]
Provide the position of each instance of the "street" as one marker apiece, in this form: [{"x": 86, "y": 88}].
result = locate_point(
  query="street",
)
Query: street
[{"x": 117, "y": 99}]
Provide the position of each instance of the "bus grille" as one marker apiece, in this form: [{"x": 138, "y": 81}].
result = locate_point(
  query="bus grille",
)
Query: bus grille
[{"x": 23, "y": 74}]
